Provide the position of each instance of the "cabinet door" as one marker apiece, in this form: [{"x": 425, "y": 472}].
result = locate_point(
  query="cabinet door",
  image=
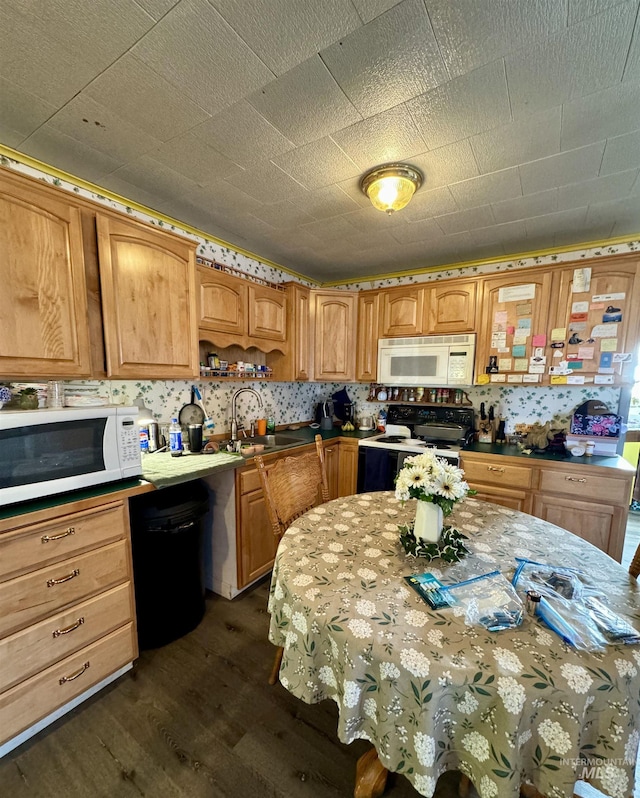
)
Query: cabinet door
[
  {"x": 506, "y": 497},
  {"x": 148, "y": 294},
  {"x": 452, "y": 308},
  {"x": 368, "y": 334},
  {"x": 515, "y": 309},
  {"x": 348, "y": 468},
  {"x": 267, "y": 313},
  {"x": 256, "y": 543},
  {"x": 332, "y": 465},
  {"x": 300, "y": 328},
  {"x": 335, "y": 333},
  {"x": 607, "y": 309},
  {"x": 43, "y": 302},
  {"x": 591, "y": 521},
  {"x": 403, "y": 311},
  {"x": 223, "y": 302}
]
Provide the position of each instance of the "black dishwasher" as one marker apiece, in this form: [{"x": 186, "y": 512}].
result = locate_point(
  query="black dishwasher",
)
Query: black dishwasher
[{"x": 168, "y": 567}]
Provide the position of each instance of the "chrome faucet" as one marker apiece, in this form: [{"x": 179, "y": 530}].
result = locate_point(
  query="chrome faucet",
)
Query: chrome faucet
[{"x": 234, "y": 398}]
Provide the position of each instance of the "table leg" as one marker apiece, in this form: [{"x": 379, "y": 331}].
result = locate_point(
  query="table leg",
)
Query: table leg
[
  {"x": 463, "y": 786},
  {"x": 275, "y": 669},
  {"x": 371, "y": 776}
]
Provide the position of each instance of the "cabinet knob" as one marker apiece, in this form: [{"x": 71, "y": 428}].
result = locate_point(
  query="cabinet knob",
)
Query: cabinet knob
[
  {"x": 495, "y": 468},
  {"x": 69, "y": 531}
]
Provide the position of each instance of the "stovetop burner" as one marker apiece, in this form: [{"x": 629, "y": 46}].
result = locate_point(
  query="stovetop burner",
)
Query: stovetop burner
[
  {"x": 433, "y": 444},
  {"x": 391, "y": 439}
]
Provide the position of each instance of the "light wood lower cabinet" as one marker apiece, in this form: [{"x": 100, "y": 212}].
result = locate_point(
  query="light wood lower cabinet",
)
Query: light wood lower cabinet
[
  {"x": 67, "y": 616},
  {"x": 589, "y": 500}
]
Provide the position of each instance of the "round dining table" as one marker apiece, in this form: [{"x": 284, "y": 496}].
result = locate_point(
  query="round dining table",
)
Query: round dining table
[{"x": 433, "y": 693}]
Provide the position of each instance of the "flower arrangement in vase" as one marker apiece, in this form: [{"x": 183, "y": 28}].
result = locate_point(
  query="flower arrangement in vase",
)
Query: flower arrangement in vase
[{"x": 438, "y": 486}]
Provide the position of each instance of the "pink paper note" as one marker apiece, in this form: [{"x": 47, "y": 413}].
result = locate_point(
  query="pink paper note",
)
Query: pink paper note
[{"x": 539, "y": 340}]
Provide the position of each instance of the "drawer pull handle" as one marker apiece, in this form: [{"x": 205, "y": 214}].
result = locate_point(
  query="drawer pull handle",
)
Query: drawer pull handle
[
  {"x": 495, "y": 468},
  {"x": 575, "y": 479},
  {"x": 52, "y": 582},
  {"x": 68, "y": 629},
  {"x": 69, "y": 531},
  {"x": 75, "y": 675}
]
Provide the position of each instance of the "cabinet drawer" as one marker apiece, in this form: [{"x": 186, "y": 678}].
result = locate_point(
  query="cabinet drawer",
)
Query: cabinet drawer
[
  {"x": 497, "y": 473},
  {"x": 35, "y": 648},
  {"x": 29, "y": 547},
  {"x": 583, "y": 485},
  {"x": 33, "y": 699},
  {"x": 249, "y": 481},
  {"x": 36, "y": 595}
]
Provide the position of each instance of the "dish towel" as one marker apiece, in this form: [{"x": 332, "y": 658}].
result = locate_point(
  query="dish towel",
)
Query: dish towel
[
  {"x": 376, "y": 470},
  {"x": 162, "y": 469}
]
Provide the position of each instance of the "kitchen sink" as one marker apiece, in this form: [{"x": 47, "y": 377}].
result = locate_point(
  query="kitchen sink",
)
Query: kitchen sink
[{"x": 272, "y": 441}]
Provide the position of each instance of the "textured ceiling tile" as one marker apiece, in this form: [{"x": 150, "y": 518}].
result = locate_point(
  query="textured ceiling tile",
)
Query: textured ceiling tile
[
  {"x": 221, "y": 195},
  {"x": 243, "y": 135},
  {"x": 21, "y": 113},
  {"x": 157, "y": 8},
  {"x": 196, "y": 50},
  {"x": 99, "y": 31},
  {"x": 129, "y": 191},
  {"x": 389, "y": 60},
  {"x": 429, "y": 203},
  {"x": 318, "y": 164},
  {"x": 305, "y": 104},
  {"x": 487, "y": 188},
  {"x": 282, "y": 33},
  {"x": 424, "y": 230},
  {"x": 525, "y": 207},
  {"x": 474, "y": 32},
  {"x": 157, "y": 179},
  {"x": 266, "y": 183},
  {"x": 561, "y": 169},
  {"x": 621, "y": 153},
  {"x": 382, "y": 241},
  {"x": 556, "y": 222},
  {"x": 625, "y": 210},
  {"x": 632, "y": 70},
  {"x": 31, "y": 60},
  {"x": 601, "y": 189},
  {"x": 594, "y": 232},
  {"x": 371, "y": 220},
  {"x": 580, "y": 60},
  {"x": 63, "y": 152},
  {"x": 352, "y": 189},
  {"x": 190, "y": 156},
  {"x": 581, "y": 9},
  {"x": 141, "y": 97},
  {"x": 466, "y": 220},
  {"x": 370, "y": 9},
  {"x": 459, "y": 108},
  {"x": 534, "y": 137},
  {"x": 282, "y": 214},
  {"x": 389, "y": 136},
  {"x": 512, "y": 233},
  {"x": 627, "y": 214},
  {"x": 326, "y": 202},
  {"x": 88, "y": 121},
  {"x": 601, "y": 115},
  {"x": 445, "y": 165},
  {"x": 330, "y": 229}
]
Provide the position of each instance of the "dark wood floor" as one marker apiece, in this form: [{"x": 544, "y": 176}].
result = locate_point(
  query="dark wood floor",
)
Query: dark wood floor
[{"x": 197, "y": 718}]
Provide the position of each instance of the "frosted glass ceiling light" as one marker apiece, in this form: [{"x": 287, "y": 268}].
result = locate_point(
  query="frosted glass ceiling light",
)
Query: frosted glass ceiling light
[{"x": 390, "y": 187}]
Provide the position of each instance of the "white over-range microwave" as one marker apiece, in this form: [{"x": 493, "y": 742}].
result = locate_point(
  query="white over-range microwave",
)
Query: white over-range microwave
[
  {"x": 439, "y": 360},
  {"x": 54, "y": 451}
]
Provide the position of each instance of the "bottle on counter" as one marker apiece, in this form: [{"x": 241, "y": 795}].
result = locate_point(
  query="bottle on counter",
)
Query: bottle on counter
[
  {"x": 271, "y": 423},
  {"x": 144, "y": 439},
  {"x": 175, "y": 438}
]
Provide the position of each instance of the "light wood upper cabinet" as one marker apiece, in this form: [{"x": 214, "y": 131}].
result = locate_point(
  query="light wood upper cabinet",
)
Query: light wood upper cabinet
[
  {"x": 43, "y": 301},
  {"x": 335, "y": 335},
  {"x": 223, "y": 302},
  {"x": 267, "y": 313},
  {"x": 613, "y": 278},
  {"x": 149, "y": 302},
  {"x": 522, "y": 301},
  {"x": 297, "y": 362},
  {"x": 452, "y": 307},
  {"x": 368, "y": 334},
  {"x": 403, "y": 311}
]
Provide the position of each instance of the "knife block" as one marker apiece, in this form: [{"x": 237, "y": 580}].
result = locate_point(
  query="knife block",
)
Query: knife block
[{"x": 485, "y": 431}]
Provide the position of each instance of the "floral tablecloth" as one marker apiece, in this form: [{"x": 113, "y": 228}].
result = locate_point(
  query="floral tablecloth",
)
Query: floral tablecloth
[{"x": 433, "y": 694}]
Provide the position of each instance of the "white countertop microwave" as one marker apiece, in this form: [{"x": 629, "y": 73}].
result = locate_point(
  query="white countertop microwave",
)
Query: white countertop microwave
[
  {"x": 54, "y": 451},
  {"x": 438, "y": 360}
]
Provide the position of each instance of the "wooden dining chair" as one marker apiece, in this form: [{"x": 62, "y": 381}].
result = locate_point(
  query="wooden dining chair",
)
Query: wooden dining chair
[
  {"x": 291, "y": 486},
  {"x": 634, "y": 568}
]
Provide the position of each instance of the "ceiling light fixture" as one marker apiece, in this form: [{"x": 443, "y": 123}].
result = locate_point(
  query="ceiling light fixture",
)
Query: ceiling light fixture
[{"x": 391, "y": 186}]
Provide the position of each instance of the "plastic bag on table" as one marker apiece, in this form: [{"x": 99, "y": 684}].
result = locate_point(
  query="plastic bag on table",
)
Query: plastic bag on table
[
  {"x": 561, "y": 605},
  {"x": 615, "y": 628},
  {"x": 488, "y": 600}
]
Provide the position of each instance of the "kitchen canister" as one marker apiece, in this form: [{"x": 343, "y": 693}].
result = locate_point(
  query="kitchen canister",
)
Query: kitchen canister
[{"x": 55, "y": 393}]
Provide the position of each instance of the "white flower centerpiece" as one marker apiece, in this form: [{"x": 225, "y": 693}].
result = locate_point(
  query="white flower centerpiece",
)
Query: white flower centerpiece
[{"x": 437, "y": 485}]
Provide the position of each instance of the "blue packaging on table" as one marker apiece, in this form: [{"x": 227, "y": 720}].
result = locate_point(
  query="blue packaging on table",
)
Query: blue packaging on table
[{"x": 594, "y": 418}]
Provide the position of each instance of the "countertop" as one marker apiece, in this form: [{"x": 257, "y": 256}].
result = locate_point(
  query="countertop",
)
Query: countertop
[{"x": 506, "y": 450}]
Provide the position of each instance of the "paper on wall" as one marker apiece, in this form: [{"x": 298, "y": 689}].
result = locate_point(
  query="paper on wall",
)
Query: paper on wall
[
  {"x": 608, "y": 297},
  {"x": 520, "y": 337},
  {"x": 520, "y": 364},
  {"x": 498, "y": 339},
  {"x": 535, "y": 369},
  {"x": 523, "y": 309},
  {"x": 558, "y": 333},
  {"x": 505, "y": 363},
  {"x": 514, "y": 377},
  {"x": 516, "y": 293},
  {"x": 558, "y": 379},
  {"x": 498, "y": 377},
  {"x": 530, "y": 378},
  {"x": 581, "y": 280},
  {"x": 608, "y": 344},
  {"x": 622, "y": 357},
  {"x": 500, "y": 317},
  {"x": 575, "y": 379},
  {"x": 603, "y": 379},
  {"x": 604, "y": 331},
  {"x": 585, "y": 353},
  {"x": 579, "y": 307}
]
